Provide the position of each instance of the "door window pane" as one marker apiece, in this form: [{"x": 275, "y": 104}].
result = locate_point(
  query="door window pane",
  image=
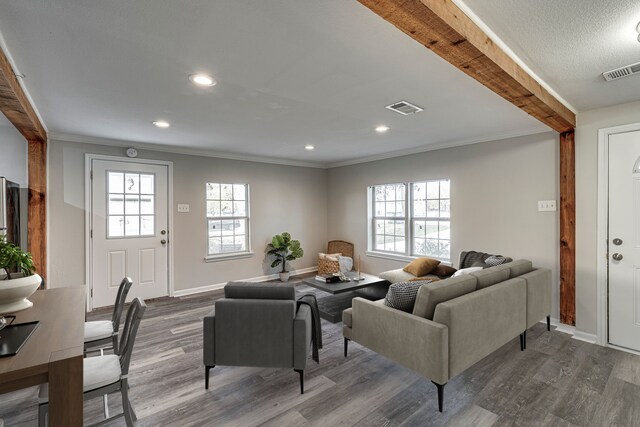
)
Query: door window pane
[{"x": 133, "y": 195}]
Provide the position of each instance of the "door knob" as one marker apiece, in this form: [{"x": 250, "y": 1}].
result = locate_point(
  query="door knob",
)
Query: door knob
[
  {"x": 617, "y": 257},
  {"x": 163, "y": 232},
  {"x": 163, "y": 241},
  {"x": 617, "y": 242}
]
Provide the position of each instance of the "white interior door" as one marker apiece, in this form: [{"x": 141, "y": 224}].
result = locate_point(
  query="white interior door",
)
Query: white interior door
[
  {"x": 129, "y": 227},
  {"x": 624, "y": 240}
]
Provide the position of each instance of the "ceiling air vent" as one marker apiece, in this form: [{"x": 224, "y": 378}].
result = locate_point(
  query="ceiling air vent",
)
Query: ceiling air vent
[
  {"x": 403, "y": 107},
  {"x": 619, "y": 73}
]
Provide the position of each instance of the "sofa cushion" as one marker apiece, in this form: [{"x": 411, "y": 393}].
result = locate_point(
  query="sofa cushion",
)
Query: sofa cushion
[
  {"x": 432, "y": 294},
  {"x": 395, "y": 276},
  {"x": 492, "y": 275},
  {"x": 402, "y": 295},
  {"x": 254, "y": 290},
  {"x": 347, "y": 316},
  {"x": 421, "y": 266},
  {"x": 520, "y": 267},
  {"x": 443, "y": 270}
]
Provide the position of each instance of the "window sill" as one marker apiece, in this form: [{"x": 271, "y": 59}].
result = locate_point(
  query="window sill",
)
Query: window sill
[
  {"x": 225, "y": 257},
  {"x": 398, "y": 257}
]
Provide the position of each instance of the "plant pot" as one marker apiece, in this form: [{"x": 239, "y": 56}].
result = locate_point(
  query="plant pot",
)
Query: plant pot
[
  {"x": 14, "y": 293},
  {"x": 284, "y": 277}
]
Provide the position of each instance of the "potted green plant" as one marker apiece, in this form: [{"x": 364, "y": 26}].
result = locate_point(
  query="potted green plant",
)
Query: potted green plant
[
  {"x": 18, "y": 280},
  {"x": 284, "y": 249}
]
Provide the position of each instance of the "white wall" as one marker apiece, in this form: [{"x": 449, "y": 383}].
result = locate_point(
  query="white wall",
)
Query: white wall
[
  {"x": 589, "y": 122},
  {"x": 283, "y": 198},
  {"x": 495, "y": 187}
]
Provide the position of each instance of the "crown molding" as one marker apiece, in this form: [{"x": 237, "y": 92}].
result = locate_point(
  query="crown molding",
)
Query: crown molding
[
  {"x": 63, "y": 137},
  {"x": 438, "y": 146}
]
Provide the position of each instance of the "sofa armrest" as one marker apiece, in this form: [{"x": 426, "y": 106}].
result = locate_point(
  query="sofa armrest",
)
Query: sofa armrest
[
  {"x": 538, "y": 295},
  {"x": 208, "y": 339},
  {"x": 301, "y": 336},
  {"x": 414, "y": 342},
  {"x": 482, "y": 321}
]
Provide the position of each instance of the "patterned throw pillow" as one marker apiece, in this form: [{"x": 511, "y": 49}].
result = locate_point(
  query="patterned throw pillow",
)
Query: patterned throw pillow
[
  {"x": 494, "y": 260},
  {"x": 402, "y": 295}
]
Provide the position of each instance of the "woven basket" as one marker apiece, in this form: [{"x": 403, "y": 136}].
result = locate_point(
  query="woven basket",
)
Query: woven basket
[{"x": 326, "y": 266}]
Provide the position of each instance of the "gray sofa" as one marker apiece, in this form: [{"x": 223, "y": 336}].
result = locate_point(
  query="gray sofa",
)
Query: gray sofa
[
  {"x": 455, "y": 322},
  {"x": 257, "y": 324}
]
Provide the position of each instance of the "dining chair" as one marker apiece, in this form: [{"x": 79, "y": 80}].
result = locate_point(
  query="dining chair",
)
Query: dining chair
[
  {"x": 103, "y": 332},
  {"x": 103, "y": 375}
]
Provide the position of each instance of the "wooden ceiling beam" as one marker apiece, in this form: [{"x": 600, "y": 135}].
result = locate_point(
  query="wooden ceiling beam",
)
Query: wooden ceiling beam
[
  {"x": 443, "y": 28},
  {"x": 16, "y": 106}
]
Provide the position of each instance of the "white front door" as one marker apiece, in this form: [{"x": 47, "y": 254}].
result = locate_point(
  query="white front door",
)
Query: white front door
[
  {"x": 624, "y": 240},
  {"x": 129, "y": 209}
]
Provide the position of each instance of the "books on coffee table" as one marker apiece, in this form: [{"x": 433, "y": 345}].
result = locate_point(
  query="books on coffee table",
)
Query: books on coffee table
[{"x": 327, "y": 278}]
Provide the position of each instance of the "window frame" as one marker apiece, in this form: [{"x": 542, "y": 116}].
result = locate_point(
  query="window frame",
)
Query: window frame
[
  {"x": 228, "y": 255},
  {"x": 409, "y": 220}
]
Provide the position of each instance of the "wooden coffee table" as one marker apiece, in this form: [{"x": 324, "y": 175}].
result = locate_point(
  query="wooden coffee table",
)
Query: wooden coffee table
[{"x": 332, "y": 306}]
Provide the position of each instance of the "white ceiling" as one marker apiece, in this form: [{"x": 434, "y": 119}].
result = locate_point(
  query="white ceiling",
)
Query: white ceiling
[
  {"x": 290, "y": 73},
  {"x": 570, "y": 43}
]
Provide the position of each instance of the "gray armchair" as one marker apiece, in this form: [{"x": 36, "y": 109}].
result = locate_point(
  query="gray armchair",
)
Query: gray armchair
[{"x": 257, "y": 324}]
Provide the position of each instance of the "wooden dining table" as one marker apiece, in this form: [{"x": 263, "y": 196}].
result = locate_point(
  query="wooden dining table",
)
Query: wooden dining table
[{"x": 53, "y": 353}]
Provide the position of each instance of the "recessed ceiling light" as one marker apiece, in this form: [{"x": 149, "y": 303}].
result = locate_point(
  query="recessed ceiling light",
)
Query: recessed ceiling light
[
  {"x": 202, "y": 79},
  {"x": 382, "y": 129},
  {"x": 161, "y": 124},
  {"x": 309, "y": 147}
]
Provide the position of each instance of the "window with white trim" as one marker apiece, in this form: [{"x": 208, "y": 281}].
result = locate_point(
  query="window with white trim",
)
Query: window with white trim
[
  {"x": 227, "y": 219},
  {"x": 411, "y": 219}
]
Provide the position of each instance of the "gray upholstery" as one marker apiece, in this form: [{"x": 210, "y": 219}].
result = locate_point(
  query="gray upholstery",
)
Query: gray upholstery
[
  {"x": 253, "y": 290},
  {"x": 538, "y": 295},
  {"x": 482, "y": 321},
  {"x": 416, "y": 343},
  {"x": 520, "y": 267},
  {"x": 492, "y": 275},
  {"x": 347, "y": 316},
  {"x": 261, "y": 332},
  {"x": 432, "y": 294}
]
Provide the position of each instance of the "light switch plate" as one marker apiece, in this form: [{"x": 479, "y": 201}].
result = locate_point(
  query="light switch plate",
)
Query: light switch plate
[
  {"x": 183, "y": 207},
  {"x": 547, "y": 206}
]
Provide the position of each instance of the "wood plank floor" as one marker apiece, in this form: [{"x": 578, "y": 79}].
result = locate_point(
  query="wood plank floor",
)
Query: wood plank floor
[{"x": 557, "y": 381}]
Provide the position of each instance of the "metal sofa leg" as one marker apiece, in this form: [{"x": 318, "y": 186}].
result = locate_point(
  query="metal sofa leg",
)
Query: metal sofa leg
[
  {"x": 301, "y": 372},
  {"x": 440, "y": 395},
  {"x": 548, "y": 323},
  {"x": 206, "y": 376},
  {"x": 346, "y": 346},
  {"x": 523, "y": 339}
]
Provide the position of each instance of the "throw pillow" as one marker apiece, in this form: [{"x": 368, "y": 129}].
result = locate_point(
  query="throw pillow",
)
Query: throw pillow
[
  {"x": 421, "y": 266},
  {"x": 495, "y": 260},
  {"x": 467, "y": 270},
  {"x": 346, "y": 263},
  {"x": 329, "y": 257},
  {"x": 443, "y": 270},
  {"x": 402, "y": 295}
]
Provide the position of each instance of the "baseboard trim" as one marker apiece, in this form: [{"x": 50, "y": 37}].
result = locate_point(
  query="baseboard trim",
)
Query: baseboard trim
[
  {"x": 586, "y": 337},
  {"x": 216, "y": 286},
  {"x": 571, "y": 330}
]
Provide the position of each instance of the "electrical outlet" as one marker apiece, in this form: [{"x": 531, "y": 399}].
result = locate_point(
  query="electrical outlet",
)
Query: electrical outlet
[
  {"x": 183, "y": 207},
  {"x": 547, "y": 206}
]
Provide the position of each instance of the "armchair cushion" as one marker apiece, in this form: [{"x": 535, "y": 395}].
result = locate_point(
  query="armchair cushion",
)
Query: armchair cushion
[{"x": 253, "y": 290}]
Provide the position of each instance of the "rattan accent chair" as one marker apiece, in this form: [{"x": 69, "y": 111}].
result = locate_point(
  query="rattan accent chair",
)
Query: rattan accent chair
[{"x": 335, "y": 246}]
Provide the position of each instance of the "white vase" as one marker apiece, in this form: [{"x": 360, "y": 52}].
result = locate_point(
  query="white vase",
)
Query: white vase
[
  {"x": 14, "y": 293},
  {"x": 284, "y": 277}
]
